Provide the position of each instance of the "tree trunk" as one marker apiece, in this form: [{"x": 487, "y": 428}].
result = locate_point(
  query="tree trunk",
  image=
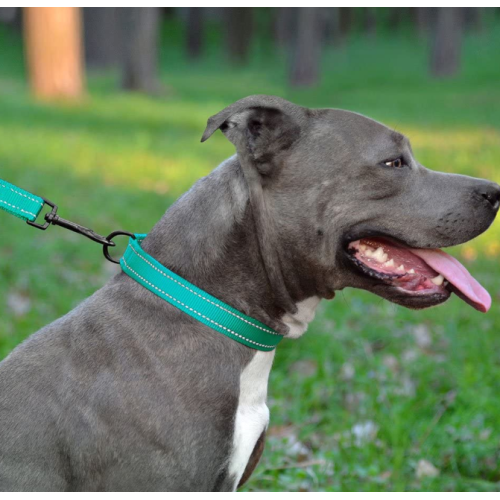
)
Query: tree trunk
[
  {"x": 423, "y": 20},
  {"x": 283, "y": 26},
  {"x": 369, "y": 21},
  {"x": 102, "y": 37},
  {"x": 445, "y": 56},
  {"x": 53, "y": 40},
  {"x": 140, "y": 59},
  {"x": 239, "y": 33},
  {"x": 345, "y": 22},
  {"x": 7, "y": 14},
  {"x": 307, "y": 47},
  {"x": 331, "y": 25},
  {"x": 399, "y": 17},
  {"x": 473, "y": 18},
  {"x": 194, "y": 27}
]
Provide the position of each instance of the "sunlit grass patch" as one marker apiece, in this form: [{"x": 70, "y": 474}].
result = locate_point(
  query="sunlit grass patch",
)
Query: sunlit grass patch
[{"x": 464, "y": 150}]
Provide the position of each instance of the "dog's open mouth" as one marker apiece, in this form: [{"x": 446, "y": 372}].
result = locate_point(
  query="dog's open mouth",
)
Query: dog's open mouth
[{"x": 429, "y": 274}]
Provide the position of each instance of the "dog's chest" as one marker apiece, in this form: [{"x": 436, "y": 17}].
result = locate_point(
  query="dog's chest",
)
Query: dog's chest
[{"x": 252, "y": 414}]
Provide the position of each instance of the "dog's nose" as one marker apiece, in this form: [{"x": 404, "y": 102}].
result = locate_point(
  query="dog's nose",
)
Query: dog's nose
[{"x": 491, "y": 193}]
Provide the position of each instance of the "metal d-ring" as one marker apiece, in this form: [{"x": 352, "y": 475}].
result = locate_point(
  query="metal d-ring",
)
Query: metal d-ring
[{"x": 110, "y": 243}]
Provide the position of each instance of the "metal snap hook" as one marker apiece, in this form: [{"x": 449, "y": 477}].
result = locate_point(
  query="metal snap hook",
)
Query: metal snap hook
[{"x": 110, "y": 243}]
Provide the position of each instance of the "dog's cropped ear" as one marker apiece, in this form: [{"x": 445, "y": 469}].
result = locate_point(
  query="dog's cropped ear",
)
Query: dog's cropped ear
[{"x": 261, "y": 125}]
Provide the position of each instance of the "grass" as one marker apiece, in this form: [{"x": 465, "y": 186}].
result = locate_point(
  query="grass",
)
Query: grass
[{"x": 372, "y": 389}]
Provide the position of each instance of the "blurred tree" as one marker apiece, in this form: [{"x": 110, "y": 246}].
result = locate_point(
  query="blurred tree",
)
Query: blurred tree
[
  {"x": 331, "y": 25},
  {"x": 140, "y": 27},
  {"x": 102, "y": 37},
  {"x": 345, "y": 21},
  {"x": 283, "y": 26},
  {"x": 170, "y": 12},
  {"x": 194, "y": 31},
  {"x": 396, "y": 16},
  {"x": 7, "y": 14},
  {"x": 54, "y": 51},
  {"x": 306, "y": 50},
  {"x": 13, "y": 16},
  {"x": 370, "y": 20},
  {"x": 422, "y": 18},
  {"x": 239, "y": 33},
  {"x": 445, "y": 54},
  {"x": 474, "y": 18}
]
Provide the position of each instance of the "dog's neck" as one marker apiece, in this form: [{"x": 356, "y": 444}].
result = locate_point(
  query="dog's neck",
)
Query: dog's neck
[{"x": 209, "y": 237}]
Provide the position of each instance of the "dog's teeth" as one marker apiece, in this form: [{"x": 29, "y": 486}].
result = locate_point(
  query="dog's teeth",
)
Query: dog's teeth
[
  {"x": 379, "y": 255},
  {"x": 438, "y": 280},
  {"x": 369, "y": 253},
  {"x": 401, "y": 268},
  {"x": 362, "y": 247},
  {"x": 389, "y": 263},
  {"x": 412, "y": 271}
]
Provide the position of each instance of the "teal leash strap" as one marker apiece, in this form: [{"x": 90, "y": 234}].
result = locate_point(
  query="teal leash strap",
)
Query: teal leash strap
[
  {"x": 148, "y": 272},
  {"x": 199, "y": 304},
  {"x": 19, "y": 202},
  {"x": 27, "y": 206}
]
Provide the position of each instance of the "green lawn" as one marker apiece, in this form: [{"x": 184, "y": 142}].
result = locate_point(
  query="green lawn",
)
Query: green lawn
[{"x": 372, "y": 389}]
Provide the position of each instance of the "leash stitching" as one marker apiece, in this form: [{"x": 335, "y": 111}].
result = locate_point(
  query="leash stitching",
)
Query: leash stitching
[
  {"x": 201, "y": 296},
  {"x": 21, "y": 194},
  {"x": 193, "y": 310},
  {"x": 17, "y": 208}
]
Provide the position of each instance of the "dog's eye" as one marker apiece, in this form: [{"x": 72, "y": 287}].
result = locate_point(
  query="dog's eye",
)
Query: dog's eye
[{"x": 397, "y": 163}]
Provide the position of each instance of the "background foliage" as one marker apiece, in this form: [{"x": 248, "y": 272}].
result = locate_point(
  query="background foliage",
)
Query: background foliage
[{"x": 374, "y": 397}]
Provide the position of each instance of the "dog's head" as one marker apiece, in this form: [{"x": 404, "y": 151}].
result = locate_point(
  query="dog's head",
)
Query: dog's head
[{"x": 351, "y": 206}]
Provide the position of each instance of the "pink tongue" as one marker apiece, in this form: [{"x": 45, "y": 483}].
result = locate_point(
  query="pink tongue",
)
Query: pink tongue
[{"x": 469, "y": 289}]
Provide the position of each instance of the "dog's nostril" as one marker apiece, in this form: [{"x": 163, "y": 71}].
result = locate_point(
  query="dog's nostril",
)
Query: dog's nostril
[{"x": 492, "y": 195}]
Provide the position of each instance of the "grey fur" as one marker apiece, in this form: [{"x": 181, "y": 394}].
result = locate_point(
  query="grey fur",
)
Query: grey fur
[{"x": 128, "y": 393}]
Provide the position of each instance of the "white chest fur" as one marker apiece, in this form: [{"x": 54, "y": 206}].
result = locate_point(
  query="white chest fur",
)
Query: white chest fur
[
  {"x": 298, "y": 322},
  {"x": 252, "y": 415}
]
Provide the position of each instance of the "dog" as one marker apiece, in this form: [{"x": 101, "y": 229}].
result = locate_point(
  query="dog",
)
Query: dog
[{"x": 127, "y": 392}]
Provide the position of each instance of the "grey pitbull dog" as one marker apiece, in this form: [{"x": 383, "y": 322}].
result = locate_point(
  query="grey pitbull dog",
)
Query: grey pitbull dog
[{"x": 126, "y": 392}]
